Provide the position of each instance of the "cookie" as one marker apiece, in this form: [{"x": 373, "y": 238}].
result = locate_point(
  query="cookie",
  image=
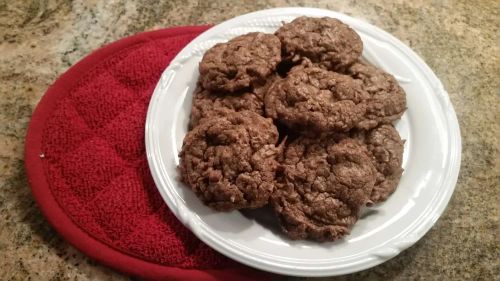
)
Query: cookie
[
  {"x": 323, "y": 184},
  {"x": 387, "y": 100},
  {"x": 386, "y": 149},
  {"x": 326, "y": 41},
  {"x": 230, "y": 162},
  {"x": 314, "y": 99},
  {"x": 207, "y": 104},
  {"x": 240, "y": 63}
]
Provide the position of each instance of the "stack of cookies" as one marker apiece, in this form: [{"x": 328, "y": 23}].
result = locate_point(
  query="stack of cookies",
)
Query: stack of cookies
[{"x": 298, "y": 121}]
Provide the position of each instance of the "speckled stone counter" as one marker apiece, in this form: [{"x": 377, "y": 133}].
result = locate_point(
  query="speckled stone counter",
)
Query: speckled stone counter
[{"x": 40, "y": 39}]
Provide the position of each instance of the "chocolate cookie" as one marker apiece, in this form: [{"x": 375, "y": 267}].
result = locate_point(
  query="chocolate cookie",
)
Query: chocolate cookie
[
  {"x": 210, "y": 104},
  {"x": 387, "y": 100},
  {"x": 230, "y": 161},
  {"x": 323, "y": 184},
  {"x": 262, "y": 88},
  {"x": 240, "y": 63},
  {"x": 386, "y": 148},
  {"x": 313, "y": 99},
  {"x": 327, "y": 41}
]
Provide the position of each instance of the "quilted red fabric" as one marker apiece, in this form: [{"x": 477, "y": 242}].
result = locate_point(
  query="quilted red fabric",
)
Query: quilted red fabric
[{"x": 86, "y": 164}]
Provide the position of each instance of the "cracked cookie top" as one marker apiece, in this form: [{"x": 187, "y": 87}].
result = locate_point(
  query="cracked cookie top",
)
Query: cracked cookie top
[
  {"x": 240, "y": 63},
  {"x": 323, "y": 183},
  {"x": 314, "y": 99},
  {"x": 386, "y": 150},
  {"x": 326, "y": 41},
  {"x": 387, "y": 101},
  {"x": 230, "y": 161}
]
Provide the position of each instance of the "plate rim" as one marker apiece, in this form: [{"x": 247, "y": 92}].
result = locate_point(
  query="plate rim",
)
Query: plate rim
[{"x": 443, "y": 195}]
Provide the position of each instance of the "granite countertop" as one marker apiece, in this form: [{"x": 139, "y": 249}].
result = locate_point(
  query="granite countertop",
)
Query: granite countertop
[{"x": 40, "y": 39}]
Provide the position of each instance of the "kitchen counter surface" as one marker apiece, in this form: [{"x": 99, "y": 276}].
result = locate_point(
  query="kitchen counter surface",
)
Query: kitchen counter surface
[{"x": 40, "y": 39}]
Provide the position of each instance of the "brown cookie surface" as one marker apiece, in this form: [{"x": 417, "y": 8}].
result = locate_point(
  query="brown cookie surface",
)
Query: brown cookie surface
[
  {"x": 240, "y": 63},
  {"x": 387, "y": 100},
  {"x": 230, "y": 162},
  {"x": 323, "y": 184},
  {"x": 386, "y": 148},
  {"x": 314, "y": 99},
  {"x": 209, "y": 104},
  {"x": 326, "y": 41}
]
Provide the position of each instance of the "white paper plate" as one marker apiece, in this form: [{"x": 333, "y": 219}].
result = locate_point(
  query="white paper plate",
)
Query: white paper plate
[{"x": 431, "y": 160}]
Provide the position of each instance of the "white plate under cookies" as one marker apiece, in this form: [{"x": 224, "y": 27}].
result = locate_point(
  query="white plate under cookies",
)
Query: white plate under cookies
[{"x": 431, "y": 160}]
